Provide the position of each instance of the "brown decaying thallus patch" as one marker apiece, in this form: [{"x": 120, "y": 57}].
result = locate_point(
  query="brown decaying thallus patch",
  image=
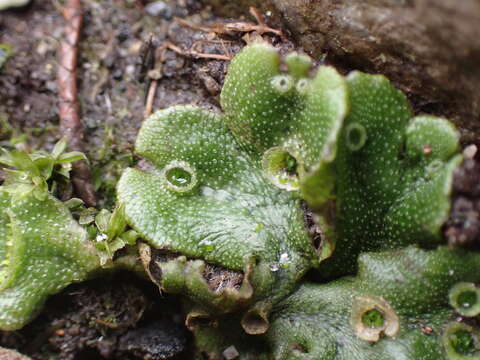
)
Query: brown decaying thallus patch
[
  {"x": 219, "y": 278},
  {"x": 216, "y": 277},
  {"x": 71, "y": 126}
]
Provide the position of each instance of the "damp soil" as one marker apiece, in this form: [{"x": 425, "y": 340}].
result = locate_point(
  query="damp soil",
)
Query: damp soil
[{"x": 117, "y": 317}]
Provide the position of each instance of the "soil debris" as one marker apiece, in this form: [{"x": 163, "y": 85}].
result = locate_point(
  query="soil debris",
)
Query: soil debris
[
  {"x": 158, "y": 340},
  {"x": 463, "y": 226},
  {"x": 101, "y": 320},
  {"x": 219, "y": 278}
]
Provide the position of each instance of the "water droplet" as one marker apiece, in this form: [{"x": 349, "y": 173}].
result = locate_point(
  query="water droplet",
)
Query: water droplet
[
  {"x": 284, "y": 261},
  {"x": 178, "y": 177},
  {"x": 101, "y": 237},
  {"x": 274, "y": 267}
]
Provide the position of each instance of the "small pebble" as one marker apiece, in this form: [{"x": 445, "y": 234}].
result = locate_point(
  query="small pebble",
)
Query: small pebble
[
  {"x": 470, "y": 151},
  {"x": 159, "y": 8},
  {"x": 230, "y": 353}
]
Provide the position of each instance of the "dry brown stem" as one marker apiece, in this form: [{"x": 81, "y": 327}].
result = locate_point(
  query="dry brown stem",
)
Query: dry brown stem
[
  {"x": 69, "y": 108},
  {"x": 231, "y": 28}
]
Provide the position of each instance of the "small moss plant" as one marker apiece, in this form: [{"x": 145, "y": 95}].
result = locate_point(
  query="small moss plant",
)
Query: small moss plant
[
  {"x": 38, "y": 173},
  {"x": 303, "y": 171}
]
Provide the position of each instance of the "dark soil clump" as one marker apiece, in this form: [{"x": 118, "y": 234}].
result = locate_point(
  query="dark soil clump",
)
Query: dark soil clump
[
  {"x": 463, "y": 227},
  {"x": 119, "y": 318}
]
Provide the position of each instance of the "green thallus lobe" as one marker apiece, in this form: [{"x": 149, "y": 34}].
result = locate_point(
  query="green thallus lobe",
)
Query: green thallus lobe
[
  {"x": 222, "y": 210},
  {"x": 349, "y": 144},
  {"x": 45, "y": 251},
  {"x": 42, "y": 248}
]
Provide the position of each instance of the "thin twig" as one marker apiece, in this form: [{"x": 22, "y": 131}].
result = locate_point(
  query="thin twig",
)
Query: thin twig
[
  {"x": 69, "y": 108},
  {"x": 194, "y": 54},
  {"x": 152, "y": 90},
  {"x": 211, "y": 41},
  {"x": 258, "y": 16},
  {"x": 230, "y": 28},
  {"x": 157, "y": 71}
]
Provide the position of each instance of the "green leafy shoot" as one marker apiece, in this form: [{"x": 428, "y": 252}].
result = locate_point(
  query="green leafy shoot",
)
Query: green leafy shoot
[
  {"x": 39, "y": 171},
  {"x": 112, "y": 233}
]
